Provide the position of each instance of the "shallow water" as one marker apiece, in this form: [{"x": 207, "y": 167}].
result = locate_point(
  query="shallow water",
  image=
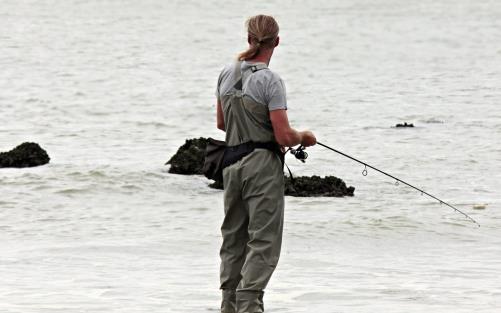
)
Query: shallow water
[{"x": 112, "y": 88}]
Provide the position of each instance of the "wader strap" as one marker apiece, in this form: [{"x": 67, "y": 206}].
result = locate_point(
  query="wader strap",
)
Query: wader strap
[
  {"x": 238, "y": 71},
  {"x": 238, "y": 74}
]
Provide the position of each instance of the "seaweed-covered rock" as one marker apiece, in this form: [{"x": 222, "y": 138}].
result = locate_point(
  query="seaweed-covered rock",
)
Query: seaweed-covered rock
[
  {"x": 27, "y": 154},
  {"x": 316, "y": 186},
  {"x": 189, "y": 158}
]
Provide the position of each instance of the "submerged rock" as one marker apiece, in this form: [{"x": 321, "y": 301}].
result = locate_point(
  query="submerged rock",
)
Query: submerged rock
[
  {"x": 189, "y": 160},
  {"x": 27, "y": 154},
  {"x": 405, "y": 125},
  {"x": 480, "y": 206}
]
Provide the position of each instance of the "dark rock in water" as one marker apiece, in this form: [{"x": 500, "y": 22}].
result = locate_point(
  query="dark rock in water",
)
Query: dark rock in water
[
  {"x": 189, "y": 158},
  {"x": 316, "y": 186},
  {"x": 27, "y": 154},
  {"x": 405, "y": 125}
]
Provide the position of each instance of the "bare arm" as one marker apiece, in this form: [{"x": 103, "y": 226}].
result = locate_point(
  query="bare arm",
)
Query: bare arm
[
  {"x": 287, "y": 136},
  {"x": 220, "y": 116}
]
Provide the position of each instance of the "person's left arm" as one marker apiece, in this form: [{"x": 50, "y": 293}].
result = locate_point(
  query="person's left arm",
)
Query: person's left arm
[{"x": 220, "y": 116}]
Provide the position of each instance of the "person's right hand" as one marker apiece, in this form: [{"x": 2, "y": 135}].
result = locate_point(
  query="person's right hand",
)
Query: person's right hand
[{"x": 308, "y": 139}]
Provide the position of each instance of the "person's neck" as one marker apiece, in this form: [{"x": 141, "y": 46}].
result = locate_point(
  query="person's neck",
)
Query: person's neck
[{"x": 264, "y": 56}]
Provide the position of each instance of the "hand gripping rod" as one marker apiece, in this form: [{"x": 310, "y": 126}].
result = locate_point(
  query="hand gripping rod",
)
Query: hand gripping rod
[{"x": 364, "y": 172}]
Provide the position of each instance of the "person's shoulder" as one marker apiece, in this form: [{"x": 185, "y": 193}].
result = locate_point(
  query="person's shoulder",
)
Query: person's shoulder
[
  {"x": 269, "y": 75},
  {"x": 228, "y": 67},
  {"x": 274, "y": 76},
  {"x": 226, "y": 71}
]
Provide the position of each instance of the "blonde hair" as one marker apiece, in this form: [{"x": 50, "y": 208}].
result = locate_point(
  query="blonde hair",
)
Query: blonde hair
[{"x": 262, "y": 30}]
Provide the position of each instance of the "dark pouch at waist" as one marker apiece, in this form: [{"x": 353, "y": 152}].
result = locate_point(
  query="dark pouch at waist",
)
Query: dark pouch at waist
[{"x": 213, "y": 163}]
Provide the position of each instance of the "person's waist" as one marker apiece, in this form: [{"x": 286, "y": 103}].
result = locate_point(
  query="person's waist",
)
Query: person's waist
[{"x": 268, "y": 145}]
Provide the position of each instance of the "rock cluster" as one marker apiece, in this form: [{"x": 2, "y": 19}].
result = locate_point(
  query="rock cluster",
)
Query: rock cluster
[
  {"x": 27, "y": 154},
  {"x": 189, "y": 160}
]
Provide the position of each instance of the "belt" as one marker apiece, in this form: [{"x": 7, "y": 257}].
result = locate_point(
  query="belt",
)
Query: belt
[{"x": 233, "y": 154}]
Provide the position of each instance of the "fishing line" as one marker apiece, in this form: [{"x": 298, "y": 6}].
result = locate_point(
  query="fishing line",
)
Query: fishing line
[{"x": 301, "y": 155}]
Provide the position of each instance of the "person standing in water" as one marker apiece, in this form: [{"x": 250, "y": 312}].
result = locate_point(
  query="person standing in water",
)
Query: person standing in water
[{"x": 252, "y": 110}]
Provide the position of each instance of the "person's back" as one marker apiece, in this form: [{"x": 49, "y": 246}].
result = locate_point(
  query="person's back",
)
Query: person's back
[
  {"x": 248, "y": 93},
  {"x": 252, "y": 110}
]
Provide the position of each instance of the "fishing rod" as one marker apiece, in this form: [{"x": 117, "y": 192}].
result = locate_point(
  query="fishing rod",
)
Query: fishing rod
[{"x": 300, "y": 154}]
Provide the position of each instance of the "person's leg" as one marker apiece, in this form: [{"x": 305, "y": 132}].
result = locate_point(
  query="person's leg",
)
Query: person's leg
[
  {"x": 249, "y": 301},
  {"x": 263, "y": 192},
  {"x": 235, "y": 237},
  {"x": 229, "y": 301}
]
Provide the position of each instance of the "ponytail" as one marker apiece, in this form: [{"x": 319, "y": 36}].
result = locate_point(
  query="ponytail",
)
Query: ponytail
[
  {"x": 251, "y": 52},
  {"x": 262, "y": 30}
]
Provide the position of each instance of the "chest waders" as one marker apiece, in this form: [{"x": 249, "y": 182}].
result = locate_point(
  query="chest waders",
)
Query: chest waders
[{"x": 253, "y": 202}]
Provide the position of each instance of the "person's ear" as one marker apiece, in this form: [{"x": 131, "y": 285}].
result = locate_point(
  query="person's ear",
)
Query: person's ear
[{"x": 277, "y": 41}]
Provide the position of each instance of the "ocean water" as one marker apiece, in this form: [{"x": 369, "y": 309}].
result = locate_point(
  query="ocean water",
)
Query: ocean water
[{"x": 111, "y": 89}]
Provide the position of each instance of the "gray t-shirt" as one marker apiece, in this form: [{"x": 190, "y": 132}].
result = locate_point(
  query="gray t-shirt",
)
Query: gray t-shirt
[{"x": 263, "y": 86}]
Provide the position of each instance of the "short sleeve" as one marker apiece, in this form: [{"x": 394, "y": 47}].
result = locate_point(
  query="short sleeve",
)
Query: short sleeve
[{"x": 276, "y": 96}]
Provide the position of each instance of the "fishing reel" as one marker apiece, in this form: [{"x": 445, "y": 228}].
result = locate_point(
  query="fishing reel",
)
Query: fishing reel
[{"x": 299, "y": 153}]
